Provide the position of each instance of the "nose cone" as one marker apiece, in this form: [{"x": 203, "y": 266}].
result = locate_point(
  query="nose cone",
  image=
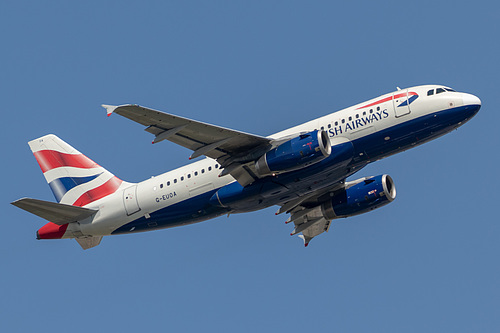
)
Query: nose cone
[
  {"x": 472, "y": 105},
  {"x": 471, "y": 100}
]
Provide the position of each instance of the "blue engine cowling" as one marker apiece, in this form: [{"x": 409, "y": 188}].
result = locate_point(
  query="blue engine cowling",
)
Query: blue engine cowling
[
  {"x": 363, "y": 197},
  {"x": 297, "y": 153}
]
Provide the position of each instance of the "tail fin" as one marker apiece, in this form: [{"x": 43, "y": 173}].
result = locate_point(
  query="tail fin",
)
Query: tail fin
[{"x": 73, "y": 177}]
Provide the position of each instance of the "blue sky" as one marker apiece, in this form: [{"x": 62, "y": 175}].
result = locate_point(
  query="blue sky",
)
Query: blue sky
[{"x": 428, "y": 262}]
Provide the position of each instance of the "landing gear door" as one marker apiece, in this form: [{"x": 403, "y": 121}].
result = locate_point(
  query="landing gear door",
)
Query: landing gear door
[
  {"x": 130, "y": 200},
  {"x": 401, "y": 103}
]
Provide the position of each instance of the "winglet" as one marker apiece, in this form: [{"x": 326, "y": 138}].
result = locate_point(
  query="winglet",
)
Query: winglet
[{"x": 109, "y": 108}]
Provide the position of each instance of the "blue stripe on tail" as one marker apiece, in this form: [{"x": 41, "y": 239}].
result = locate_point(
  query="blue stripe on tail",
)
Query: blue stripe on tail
[{"x": 62, "y": 185}]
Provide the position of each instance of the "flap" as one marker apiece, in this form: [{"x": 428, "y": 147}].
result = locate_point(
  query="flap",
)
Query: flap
[{"x": 306, "y": 213}]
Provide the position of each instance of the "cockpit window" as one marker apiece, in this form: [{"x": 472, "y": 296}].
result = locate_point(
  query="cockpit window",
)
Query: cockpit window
[
  {"x": 440, "y": 90},
  {"x": 449, "y": 89},
  {"x": 430, "y": 92}
]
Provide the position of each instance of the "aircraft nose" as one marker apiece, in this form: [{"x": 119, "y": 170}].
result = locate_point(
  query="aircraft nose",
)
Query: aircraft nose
[{"x": 470, "y": 99}]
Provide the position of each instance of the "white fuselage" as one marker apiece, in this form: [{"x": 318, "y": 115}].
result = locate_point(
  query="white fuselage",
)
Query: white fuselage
[{"x": 379, "y": 115}]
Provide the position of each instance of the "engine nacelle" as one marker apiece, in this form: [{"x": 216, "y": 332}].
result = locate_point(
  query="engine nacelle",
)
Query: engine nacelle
[
  {"x": 362, "y": 197},
  {"x": 297, "y": 153}
]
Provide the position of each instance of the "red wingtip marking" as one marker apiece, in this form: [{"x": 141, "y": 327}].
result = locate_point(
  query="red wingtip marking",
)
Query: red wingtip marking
[{"x": 306, "y": 244}]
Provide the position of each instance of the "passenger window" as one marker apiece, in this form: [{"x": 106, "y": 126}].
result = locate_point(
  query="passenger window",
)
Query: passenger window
[
  {"x": 322, "y": 128},
  {"x": 329, "y": 125},
  {"x": 202, "y": 170},
  {"x": 357, "y": 116},
  {"x": 336, "y": 123},
  {"x": 216, "y": 166},
  {"x": 430, "y": 92},
  {"x": 209, "y": 168},
  {"x": 343, "y": 121},
  {"x": 161, "y": 185},
  {"x": 439, "y": 90},
  {"x": 371, "y": 110},
  {"x": 168, "y": 183},
  {"x": 364, "y": 113},
  {"x": 196, "y": 173},
  {"x": 182, "y": 178},
  {"x": 175, "y": 180},
  {"x": 350, "y": 118},
  {"x": 378, "y": 108},
  {"x": 189, "y": 175}
]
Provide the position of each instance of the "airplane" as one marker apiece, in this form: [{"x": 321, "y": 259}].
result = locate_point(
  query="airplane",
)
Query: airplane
[{"x": 303, "y": 169}]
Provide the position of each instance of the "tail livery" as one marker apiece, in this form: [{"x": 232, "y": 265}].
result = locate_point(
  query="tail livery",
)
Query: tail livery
[
  {"x": 73, "y": 177},
  {"x": 75, "y": 181}
]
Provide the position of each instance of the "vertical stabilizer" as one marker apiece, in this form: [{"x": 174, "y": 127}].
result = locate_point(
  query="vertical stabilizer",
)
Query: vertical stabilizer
[{"x": 73, "y": 177}]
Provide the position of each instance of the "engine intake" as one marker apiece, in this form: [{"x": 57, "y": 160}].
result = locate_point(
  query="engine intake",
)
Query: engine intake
[{"x": 297, "y": 153}]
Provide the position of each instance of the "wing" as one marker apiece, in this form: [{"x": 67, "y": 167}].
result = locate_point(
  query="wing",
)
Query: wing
[
  {"x": 232, "y": 149},
  {"x": 308, "y": 213}
]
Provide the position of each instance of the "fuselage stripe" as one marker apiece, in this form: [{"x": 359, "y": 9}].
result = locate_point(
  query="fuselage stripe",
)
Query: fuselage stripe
[{"x": 387, "y": 99}]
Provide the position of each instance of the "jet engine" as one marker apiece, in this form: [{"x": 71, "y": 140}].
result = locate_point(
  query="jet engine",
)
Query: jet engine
[
  {"x": 294, "y": 154},
  {"x": 357, "y": 197},
  {"x": 364, "y": 196}
]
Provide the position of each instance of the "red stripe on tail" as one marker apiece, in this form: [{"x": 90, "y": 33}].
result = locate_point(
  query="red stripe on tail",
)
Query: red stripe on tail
[
  {"x": 99, "y": 192},
  {"x": 51, "y": 159}
]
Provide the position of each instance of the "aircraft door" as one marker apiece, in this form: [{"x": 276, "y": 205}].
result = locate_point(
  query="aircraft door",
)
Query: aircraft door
[
  {"x": 400, "y": 103},
  {"x": 130, "y": 200}
]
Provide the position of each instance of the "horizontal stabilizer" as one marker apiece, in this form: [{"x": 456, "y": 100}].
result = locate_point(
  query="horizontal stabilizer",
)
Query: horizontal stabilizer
[{"x": 54, "y": 212}]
